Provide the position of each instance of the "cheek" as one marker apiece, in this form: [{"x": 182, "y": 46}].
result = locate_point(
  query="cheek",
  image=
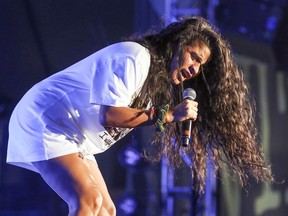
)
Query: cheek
[{"x": 185, "y": 64}]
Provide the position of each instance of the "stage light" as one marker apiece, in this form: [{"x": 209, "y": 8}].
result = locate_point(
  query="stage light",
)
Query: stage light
[
  {"x": 259, "y": 23},
  {"x": 127, "y": 205},
  {"x": 130, "y": 157}
]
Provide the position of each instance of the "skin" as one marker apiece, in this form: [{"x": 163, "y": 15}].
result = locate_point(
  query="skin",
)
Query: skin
[
  {"x": 78, "y": 180},
  {"x": 194, "y": 57}
]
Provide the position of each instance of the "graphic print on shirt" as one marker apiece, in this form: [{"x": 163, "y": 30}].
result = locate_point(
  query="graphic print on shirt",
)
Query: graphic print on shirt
[{"x": 115, "y": 134}]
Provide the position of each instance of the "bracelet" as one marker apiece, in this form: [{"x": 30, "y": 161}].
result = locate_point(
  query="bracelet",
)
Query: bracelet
[{"x": 160, "y": 122}]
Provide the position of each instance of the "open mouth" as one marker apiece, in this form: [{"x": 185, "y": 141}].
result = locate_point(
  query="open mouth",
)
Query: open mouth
[{"x": 185, "y": 74}]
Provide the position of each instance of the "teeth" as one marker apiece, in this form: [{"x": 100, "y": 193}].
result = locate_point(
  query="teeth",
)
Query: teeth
[{"x": 184, "y": 73}]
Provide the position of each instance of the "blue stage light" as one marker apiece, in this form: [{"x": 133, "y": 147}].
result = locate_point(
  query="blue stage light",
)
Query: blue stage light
[
  {"x": 127, "y": 205},
  {"x": 130, "y": 157}
]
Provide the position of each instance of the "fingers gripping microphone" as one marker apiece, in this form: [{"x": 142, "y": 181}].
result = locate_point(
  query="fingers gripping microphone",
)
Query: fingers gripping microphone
[{"x": 189, "y": 94}]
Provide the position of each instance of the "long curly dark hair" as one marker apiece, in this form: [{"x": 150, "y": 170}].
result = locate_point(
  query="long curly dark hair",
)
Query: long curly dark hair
[{"x": 225, "y": 129}]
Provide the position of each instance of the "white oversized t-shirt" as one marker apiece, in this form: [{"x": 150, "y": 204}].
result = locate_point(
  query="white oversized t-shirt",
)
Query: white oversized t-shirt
[{"x": 63, "y": 109}]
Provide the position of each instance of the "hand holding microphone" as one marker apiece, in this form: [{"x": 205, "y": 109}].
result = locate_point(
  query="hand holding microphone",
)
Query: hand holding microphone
[{"x": 188, "y": 94}]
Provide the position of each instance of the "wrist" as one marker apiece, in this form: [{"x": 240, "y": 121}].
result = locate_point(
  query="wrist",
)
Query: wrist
[
  {"x": 161, "y": 119},
  {"x": 169, "y": 116}
]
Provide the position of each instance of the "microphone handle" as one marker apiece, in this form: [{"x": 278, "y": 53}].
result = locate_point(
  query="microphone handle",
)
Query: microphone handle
[{"x": 186, "y": 130}]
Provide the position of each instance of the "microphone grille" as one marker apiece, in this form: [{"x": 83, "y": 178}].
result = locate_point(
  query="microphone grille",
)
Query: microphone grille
[{"x": 189, "y": 93}]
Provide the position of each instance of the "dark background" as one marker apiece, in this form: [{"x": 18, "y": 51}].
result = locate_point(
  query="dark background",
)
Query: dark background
[{"x": 39, "y": 38}]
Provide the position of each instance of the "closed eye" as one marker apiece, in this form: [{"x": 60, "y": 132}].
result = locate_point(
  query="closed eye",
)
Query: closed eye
[{"x": 195, "y": 57}]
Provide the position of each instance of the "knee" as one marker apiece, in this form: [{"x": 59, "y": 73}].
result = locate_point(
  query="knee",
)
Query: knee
[
  {"x": 91, "y": 202},
  {"x": 98, "y": 204},
  {"x": 109, "y": 208},
  {"x": 86, "y": 203}
]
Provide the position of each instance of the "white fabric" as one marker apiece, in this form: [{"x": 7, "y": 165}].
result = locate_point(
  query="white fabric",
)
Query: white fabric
[{"x": 60, "y": 115}]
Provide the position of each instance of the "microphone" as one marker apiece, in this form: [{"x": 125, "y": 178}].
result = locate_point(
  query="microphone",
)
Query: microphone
[{"x": 189, "y": 94}]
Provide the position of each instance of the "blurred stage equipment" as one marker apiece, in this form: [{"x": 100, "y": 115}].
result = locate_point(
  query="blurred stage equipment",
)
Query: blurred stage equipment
[
  {"x": 132, "y": 160},
  {"x": 175, "y": 9},
  {"x": 141, "y": 195},
  {"x": 256, "y": 20},
  {"x": 178, "y": 195},
  {"x": 280, "y": 46}
]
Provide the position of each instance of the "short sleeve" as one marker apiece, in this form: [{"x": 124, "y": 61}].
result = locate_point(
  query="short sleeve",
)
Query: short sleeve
[{"x": 119, "y": 77}]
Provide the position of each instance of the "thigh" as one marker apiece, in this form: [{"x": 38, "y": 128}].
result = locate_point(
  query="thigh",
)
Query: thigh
[{"x": 71, "y": 175}]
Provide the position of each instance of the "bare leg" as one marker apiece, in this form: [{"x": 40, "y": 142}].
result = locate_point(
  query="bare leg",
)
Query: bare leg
[{"x": 79, "y": 182}]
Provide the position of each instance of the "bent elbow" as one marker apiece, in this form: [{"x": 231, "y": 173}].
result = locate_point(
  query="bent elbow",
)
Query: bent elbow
[
  {"x": 103, "y": 120},
  {"x": 104, "y": 117}
]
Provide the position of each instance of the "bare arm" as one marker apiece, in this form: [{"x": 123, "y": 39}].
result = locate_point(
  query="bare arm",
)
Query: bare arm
[
  {"x": 124, "y": 117},
  {"x": 130, "y": 118}
]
